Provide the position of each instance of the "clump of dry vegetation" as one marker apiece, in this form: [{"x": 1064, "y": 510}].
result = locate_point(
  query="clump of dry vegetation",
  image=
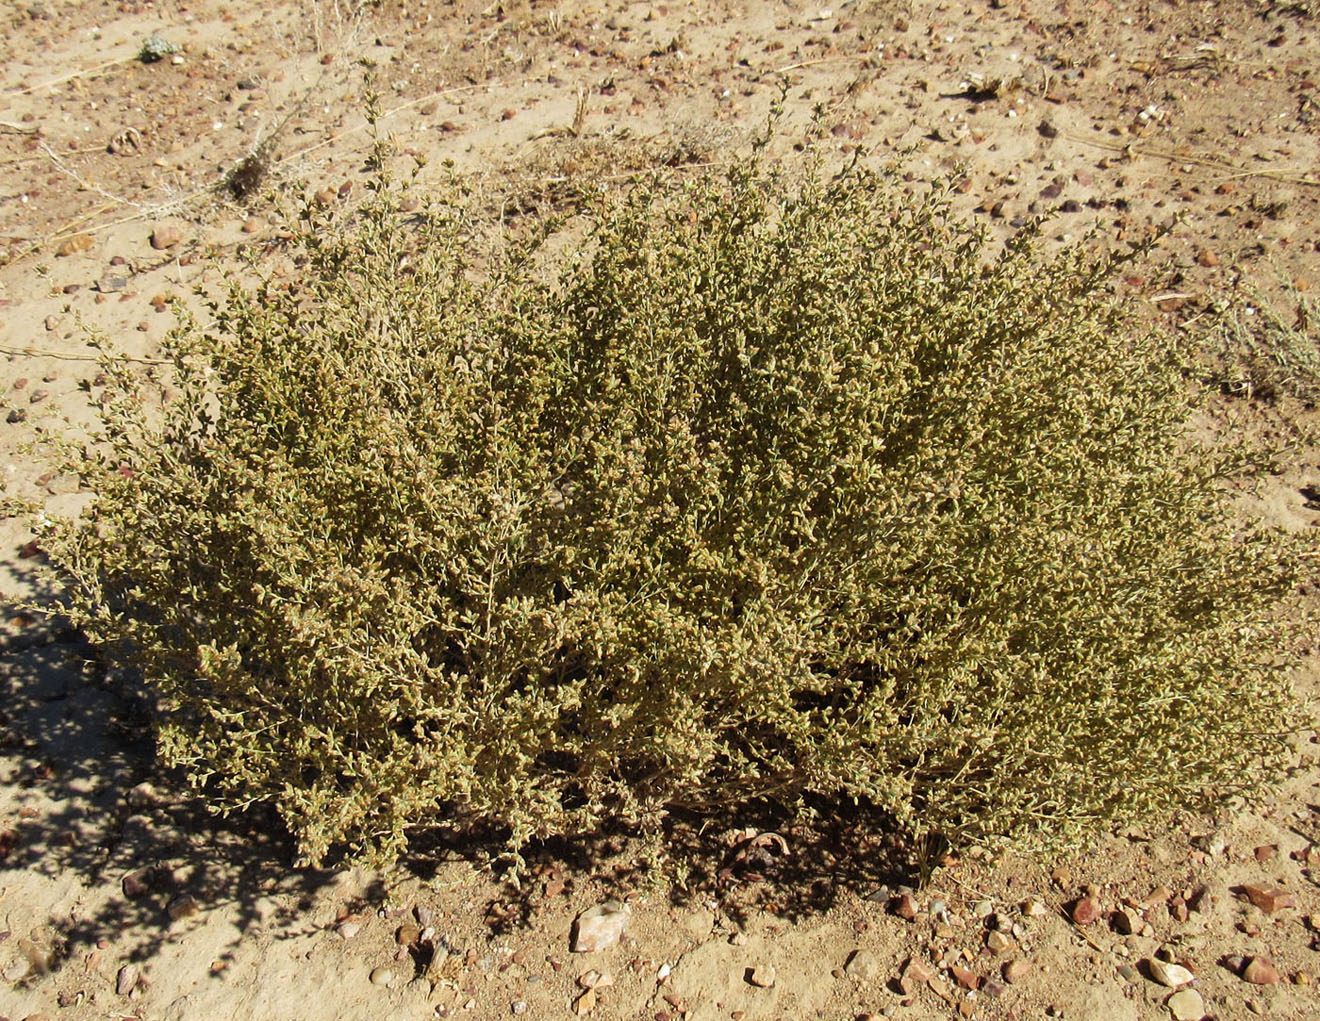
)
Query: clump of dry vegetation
[{"x": 778, "y": 485}]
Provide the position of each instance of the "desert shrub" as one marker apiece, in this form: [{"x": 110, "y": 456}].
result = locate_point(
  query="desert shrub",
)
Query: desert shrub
[
  {"x": 1267, "y": 346},
  {"x": 758, "y": 486}
]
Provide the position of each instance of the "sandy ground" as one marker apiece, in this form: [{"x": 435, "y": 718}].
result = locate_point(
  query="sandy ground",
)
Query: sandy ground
[{"x": 120, "y": 898}]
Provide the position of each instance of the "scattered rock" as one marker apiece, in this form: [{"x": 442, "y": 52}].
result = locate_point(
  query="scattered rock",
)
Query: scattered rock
[
  {"x": 382, "y": 976},
  {"x": 518, "y": 1008},
  {"x": 762, "y": 976},
  {"x": 585, "y": 1003},
  {"x": 349, "y": 928},
  {"x": 1207, "y": 257},
  {"x": 142, "y": 796},
  {"x": 1186, "y": 1005},
  {"x": 164, "y": 237},
  {"x": 906, "y": 908},
  {"x": 600, "y": 927},
  {"x": 941, "y": 989},
  {"x": 1127, "y": 922},
  {"x": 864, "y": 966},
  {"x": 914, "y": 976},
  {"x": 1171, "y": 975},
  {"x": 407, "y": 934},
  {"x": 594, "y": 979},
  {"x": 1260, "y": 971},
  {"x": 127, "y": 979},
  {"x": 1035, "y": 909},
  {"x": 183, "y": 907},
  {"x": 965, "y": 978},
  {"x": 1085, "y": 911},
  {"x": 1271, "y": 900},
  {"x": 1157, "y": 896},
  {"x": 135, "y": 884},
  {"x": 1016, "y": 971},
  {"x": 73, "y": 245},
  {"x": 997, "y": 943}
]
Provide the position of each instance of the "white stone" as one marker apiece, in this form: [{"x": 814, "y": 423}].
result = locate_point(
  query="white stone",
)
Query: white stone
[
  {"x": 1186, "y": 1005},
  {"x": 1171, "y": 975},
  {"x": 600, "y": 927}
]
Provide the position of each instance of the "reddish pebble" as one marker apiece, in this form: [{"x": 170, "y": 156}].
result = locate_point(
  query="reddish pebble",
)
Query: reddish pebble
[
  {"x": 1269, "y": 899},
  {"x": 1086, "y": 911},
  {"x": 965, "y": 978},
  {"x": 915, "y": 975}
]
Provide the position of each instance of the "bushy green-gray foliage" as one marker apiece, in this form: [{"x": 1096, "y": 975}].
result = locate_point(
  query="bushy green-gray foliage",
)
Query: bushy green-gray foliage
[
  {"x": 1270, "y": 347},
  {"x": 778, "y": 486}
]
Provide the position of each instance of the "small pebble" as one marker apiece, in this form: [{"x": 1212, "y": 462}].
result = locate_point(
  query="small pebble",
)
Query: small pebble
[
  {"x": 1271, "y": 899},
  {"x": 1171, "y": 975},
  {"x": 762, "y": 976},
  {"x": 864, "y": 966},
  {"x": 997, "y": 943},
  {"x": 165, "y": 237},
  {"x": 1186, "y": 1005},
  {"x": 407, "y": 934},
  {"x": 1086, "y": 911},
  {"x": 599, "y": 927},
  {"x": 127, "y": 979},
  {"x": 183, "y": 907}
]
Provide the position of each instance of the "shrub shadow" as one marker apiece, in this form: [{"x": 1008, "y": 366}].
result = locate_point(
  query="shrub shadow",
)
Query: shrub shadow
[
  {"x": 757, "y": 858},
  {"x": 86, "y": 796}
]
